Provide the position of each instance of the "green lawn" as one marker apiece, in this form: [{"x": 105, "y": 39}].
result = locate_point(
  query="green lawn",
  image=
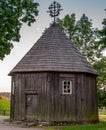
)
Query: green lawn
[
  {"x": 4, "y": 105},
  {"x": 100, "y": 126}
]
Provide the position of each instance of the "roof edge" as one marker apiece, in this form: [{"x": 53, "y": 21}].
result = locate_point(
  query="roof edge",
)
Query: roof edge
[{"x": 41, "y": 71}]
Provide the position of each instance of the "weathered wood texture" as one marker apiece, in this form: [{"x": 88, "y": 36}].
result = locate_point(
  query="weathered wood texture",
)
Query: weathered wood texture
[
  {"x": 54, "y": 52},
  {"x": 50, "y": 104},
  {"x": 37, "y": 82}
]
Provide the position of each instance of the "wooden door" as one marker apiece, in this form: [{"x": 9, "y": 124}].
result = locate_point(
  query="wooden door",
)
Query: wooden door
[{"x": 31, "y": 106}]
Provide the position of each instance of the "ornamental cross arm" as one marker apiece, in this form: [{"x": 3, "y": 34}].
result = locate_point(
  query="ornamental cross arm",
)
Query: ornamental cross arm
[{"x": 54, "y": 10}]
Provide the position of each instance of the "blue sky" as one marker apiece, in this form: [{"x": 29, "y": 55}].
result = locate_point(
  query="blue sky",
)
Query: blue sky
[{"x": 94, "y": 9}]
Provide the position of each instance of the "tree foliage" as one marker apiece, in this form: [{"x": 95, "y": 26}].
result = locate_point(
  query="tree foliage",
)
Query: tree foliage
[
  {"x": 101, "y": 95},
  {"x": 102, "y": 33},
  {"x": 13, "y": 13},
  {"x": 82, "y": 34},
  {"x": 100, "y": 66}
]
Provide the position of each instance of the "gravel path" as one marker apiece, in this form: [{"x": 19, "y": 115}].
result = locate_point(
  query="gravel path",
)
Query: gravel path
[{"x": 10, "y": 126}]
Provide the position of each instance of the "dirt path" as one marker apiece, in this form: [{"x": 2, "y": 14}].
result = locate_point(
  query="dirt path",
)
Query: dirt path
[{"x": 10, "y": 126}]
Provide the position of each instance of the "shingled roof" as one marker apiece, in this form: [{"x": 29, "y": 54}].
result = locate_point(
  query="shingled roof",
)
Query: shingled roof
[{"x": 53, "y": 52}]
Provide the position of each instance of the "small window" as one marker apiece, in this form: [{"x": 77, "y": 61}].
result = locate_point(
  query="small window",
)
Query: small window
[{"x": 67, "y": 87}]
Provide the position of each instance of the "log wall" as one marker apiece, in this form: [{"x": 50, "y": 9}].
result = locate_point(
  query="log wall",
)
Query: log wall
[{"x": 52, "y": 104}]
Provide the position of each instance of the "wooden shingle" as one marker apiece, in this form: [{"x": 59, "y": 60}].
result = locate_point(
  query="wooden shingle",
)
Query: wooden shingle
[{"x": 53, "y": 52}]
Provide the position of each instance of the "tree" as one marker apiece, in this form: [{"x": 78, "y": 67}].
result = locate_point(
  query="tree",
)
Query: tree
[
  {"x": 100, "y": 66},
  {"x": 13, "y": 13},
  {"x": 82, "y": 34},
  {"x": 101, "y": 96},
  {"x": 102, "y": 33}
]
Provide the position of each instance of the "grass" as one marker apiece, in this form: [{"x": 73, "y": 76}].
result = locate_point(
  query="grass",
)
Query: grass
[
  {"x": 99, "y": 126},
  {"x": 4, "y": 105}
]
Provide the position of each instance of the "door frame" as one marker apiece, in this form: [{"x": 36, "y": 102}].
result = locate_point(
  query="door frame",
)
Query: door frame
[{"x": 31, "y": 92}]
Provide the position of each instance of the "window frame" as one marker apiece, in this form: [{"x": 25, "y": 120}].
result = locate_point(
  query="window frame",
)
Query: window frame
[{"x": 70, "y": 86}]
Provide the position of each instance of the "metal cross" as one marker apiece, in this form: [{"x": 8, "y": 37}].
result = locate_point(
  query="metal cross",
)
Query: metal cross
[{"x": 54, "y": 10}]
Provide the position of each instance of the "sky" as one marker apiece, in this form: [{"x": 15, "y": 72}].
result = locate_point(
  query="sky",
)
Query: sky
[{"x": 94, "y": 9}]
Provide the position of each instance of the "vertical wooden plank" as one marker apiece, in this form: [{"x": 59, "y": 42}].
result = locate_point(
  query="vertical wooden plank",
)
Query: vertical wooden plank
[
  {"x": 12, "y": 99},
  {"x": 23, "y": 96},
  {"x": 52, "y": 104}
]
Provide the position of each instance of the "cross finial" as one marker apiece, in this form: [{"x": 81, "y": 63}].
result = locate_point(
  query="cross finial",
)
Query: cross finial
[{"x": 54, "y": 10}]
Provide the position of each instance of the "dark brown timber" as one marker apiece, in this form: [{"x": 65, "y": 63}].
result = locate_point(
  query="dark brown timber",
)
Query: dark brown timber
[{"x": 37, "y": 83}]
